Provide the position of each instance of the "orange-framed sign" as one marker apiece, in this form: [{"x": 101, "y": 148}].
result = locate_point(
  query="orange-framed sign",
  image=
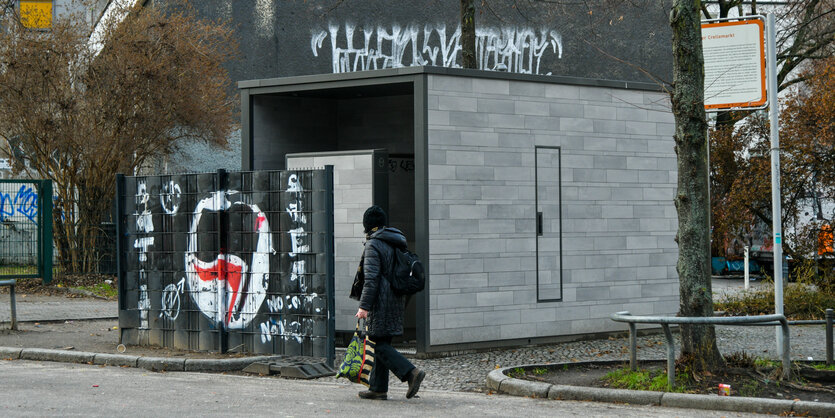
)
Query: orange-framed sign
[
  {"x": 734, "y": 56},
  {"x": 36, "y": 14}
]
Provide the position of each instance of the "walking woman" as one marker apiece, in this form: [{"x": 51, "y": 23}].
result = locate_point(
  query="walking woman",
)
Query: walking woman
[{"x": 382, "y": 309}]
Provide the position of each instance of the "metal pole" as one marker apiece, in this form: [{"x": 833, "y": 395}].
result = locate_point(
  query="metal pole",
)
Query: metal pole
[
  {"x": 329, "y": 255},
  {"x": 747, "y": 272},
  {"x": 774, "y": 113},
  {"x": 633, "y": 347},
  {"x": 221, "y": 240},
  {"x": 671, "y": 356},
  {"x": 785, "y": 352},
  {"x": 829, "y": 316},
  {"x": 12, "y": 302}
]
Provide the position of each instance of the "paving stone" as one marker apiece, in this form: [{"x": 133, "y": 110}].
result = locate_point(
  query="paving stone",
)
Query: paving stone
[
  {"x": 162, "y": 364},
  {"x": 10, "y": 353},
  {"x": 815, "y": 409},
  {"x": 42, "y": 354},
  {"x": 115, "y": 360}
]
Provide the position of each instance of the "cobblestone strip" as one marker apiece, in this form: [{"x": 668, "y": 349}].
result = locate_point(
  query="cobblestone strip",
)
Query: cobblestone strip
[{"x": 468, "y": 372}]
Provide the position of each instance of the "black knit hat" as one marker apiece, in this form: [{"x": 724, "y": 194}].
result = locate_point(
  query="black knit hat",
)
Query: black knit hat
[{"x": 374, "y": 217}]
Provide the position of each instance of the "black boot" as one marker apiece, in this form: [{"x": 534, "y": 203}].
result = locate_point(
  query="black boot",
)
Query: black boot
[
  {"x": 370, "y": 394},
  {"x": 415, "y": 377}
]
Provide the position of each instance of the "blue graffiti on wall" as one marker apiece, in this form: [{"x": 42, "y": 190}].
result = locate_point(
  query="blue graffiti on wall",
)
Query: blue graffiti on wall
[{"x": 25, "y": 202}]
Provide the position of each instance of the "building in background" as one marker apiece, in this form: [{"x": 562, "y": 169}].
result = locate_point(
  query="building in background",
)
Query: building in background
[{"x": 539, "y": 204}]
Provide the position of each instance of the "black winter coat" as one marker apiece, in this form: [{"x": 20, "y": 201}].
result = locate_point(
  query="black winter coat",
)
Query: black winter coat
[{"x": 385, "y": 309}]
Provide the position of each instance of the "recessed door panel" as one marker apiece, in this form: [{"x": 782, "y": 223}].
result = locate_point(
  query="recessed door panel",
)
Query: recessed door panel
[{"x": 548, "y": 225}]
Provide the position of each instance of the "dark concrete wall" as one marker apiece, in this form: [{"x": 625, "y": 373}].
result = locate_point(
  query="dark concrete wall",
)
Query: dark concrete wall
[
  {"x": 284, "y": 124},
  {"x": 377, "y": 122},
  {"x": 295, "y": 37}
]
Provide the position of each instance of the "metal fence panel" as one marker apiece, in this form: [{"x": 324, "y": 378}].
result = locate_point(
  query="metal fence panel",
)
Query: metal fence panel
[
  {"x": 239, "y": 261},
  {"x": 26, "y": 229}
]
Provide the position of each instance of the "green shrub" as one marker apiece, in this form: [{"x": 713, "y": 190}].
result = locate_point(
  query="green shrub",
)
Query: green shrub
[{"x": 808, "y": 298}]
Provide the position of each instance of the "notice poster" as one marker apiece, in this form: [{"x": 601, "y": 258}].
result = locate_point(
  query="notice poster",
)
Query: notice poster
[{"x": 734, "y": 56}]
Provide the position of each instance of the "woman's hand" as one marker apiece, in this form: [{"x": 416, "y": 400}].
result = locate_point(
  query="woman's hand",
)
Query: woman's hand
[{"x": 361, "y": 313}]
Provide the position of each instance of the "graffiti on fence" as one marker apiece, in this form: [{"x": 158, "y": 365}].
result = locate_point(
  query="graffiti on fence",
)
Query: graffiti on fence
[
  {"x": 511, "y": 49},
  {"x": 289, "y": 328},
  {"x": 298, "y": 243},
  {"x": 207, "y": 262},
  {"x": 24, "y": 202},
  {"x": 298, "y": 237},
  {"x": 171, "y": 299},
  {"x": 170, "y": 197},
  {"x": 144, "y": 226},
  {"x": 229, "y": 282}
]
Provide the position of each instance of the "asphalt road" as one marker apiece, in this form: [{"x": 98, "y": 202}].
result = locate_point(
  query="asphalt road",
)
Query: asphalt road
[{"x": 61, "y": 389}]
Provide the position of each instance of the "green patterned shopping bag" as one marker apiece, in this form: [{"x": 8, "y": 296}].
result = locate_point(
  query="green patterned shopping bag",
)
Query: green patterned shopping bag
[{"x": 359, "y": 359}]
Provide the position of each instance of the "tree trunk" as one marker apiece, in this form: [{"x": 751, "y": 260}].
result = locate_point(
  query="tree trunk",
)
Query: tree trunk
[
  {"x": 698, "y": 342},
  {"x": 468, "y": 34}
]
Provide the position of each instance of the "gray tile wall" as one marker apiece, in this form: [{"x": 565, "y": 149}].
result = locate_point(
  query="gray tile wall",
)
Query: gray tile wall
[
  {"x": 618, "y": 179},
  {"x": 352, "y": 195}
]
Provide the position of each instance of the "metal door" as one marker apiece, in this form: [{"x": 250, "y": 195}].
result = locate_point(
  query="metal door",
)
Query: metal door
[{"x": 548, "y": 225}]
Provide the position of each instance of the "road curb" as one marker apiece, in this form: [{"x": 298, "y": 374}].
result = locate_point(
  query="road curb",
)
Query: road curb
[
  {"x": 65, "y": 356},
  {"x": 499, "y": 381},
  {"x": 123, "y": 360},
  {"x": 10, "y": 353},
  {"x": 117, "y": 360}
]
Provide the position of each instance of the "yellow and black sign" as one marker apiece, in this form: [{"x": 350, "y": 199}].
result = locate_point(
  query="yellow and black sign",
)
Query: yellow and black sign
[{"x": 36, "y": 14}]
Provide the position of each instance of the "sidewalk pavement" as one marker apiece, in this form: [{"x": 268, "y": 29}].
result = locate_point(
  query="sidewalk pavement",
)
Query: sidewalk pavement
[
  {"x": 85, "y": 330},
  {"x": 33, "y": 308}
]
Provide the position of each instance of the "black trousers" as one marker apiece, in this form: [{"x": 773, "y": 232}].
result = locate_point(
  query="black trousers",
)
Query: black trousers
[{"x": 387, "y": 359}]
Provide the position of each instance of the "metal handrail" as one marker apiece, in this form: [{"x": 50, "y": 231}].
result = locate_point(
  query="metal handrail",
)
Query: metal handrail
[{"x": 665, "y": 321}]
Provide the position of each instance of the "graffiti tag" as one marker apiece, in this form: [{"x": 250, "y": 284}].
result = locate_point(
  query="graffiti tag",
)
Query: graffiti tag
[
  {"x": 171, "y": 299},
  {"x": 170, "y": 197},
  {"x": 511, "y": 49},
  {"x": 24, "y": 202}
]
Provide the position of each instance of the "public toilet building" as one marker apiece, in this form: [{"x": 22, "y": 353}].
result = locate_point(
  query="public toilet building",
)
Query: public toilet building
[{"x": 539, "y": 204}]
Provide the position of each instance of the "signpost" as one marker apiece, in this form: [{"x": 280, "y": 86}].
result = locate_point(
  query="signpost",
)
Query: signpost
[
  {"x": 734, "y": 64},
  {"x": 735, "y": 78}
]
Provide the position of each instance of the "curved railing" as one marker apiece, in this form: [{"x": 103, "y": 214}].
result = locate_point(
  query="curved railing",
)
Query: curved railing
[{"x": 666, "y": 321}]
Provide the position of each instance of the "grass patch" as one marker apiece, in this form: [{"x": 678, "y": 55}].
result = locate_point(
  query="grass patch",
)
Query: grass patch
[
  {"x": 824, "y": 366},
  {"x": 17, "y": 270},
  {"x": 539, "y": 371},
  {"x": 102, "y": 289},
  {"x": 644, "y": 380},
  {"x": 766, "y": 363},
  {"x": 517, "y": 372}
]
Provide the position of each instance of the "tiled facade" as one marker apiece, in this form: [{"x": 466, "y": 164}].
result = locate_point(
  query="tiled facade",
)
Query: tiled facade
[
  {"x": 617, "y": 177},
  {"x": 352, "y": 195}
]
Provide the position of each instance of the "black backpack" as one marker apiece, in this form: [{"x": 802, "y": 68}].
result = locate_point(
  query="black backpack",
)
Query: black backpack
[{"x": 407, "y": 276}]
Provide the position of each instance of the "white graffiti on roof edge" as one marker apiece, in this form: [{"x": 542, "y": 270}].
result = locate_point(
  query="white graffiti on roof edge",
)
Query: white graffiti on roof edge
[{"x": 511, "y": 49}]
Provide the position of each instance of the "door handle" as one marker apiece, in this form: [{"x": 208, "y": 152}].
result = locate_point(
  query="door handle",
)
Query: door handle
[{"x": 539, "y": 224}]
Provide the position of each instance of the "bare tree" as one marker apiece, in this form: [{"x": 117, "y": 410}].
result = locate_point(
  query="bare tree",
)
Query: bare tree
[
  {"x": 468, "y": 54},
  {"x": 698, "y": 342},
  {"x": 78, "y": 112}
]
